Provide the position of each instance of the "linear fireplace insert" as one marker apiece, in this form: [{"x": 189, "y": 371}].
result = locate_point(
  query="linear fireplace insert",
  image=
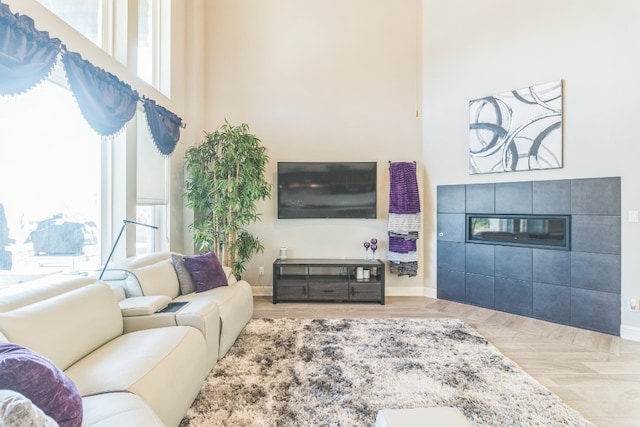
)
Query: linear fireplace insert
[{"x": 548, "y": 231}]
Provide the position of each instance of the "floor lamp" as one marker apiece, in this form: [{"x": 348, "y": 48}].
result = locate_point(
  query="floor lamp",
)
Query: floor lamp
[{"x": 124, "y": 225}]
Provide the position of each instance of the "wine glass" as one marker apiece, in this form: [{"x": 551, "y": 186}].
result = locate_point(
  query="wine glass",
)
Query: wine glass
[
  {"x": 366, "y": 250},
  {"x": 374, "y": 247}
]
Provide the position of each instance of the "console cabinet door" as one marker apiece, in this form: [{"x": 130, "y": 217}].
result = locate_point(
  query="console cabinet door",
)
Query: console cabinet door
[
  {"x": 365, "y": 292},
  {"x": 292, "y": 291},
  {"x": 328, "y": 291}
]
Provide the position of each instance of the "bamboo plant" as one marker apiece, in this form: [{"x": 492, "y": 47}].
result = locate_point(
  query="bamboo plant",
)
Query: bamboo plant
[{"x": 226, "y": 178}]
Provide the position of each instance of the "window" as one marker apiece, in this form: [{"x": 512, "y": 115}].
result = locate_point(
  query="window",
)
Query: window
[
  {"x": 85, "y": 16},
  {"x": 148, "y": 239},
  {"x": 154, "y": 43},
  {"x": 147, "y": 42},
  {"x": 57, "y": 176},
  {"x": 101, "y": 21},
  {"x": 50, "y": 188},
  {"x": 151, "y": 191}
]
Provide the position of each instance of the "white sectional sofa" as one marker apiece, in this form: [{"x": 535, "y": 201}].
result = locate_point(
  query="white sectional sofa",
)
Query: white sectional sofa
[
  {"x": 134, "y": 362},
  {"x": 147, "y": 377},
  {"x": 153, "y": 275}
]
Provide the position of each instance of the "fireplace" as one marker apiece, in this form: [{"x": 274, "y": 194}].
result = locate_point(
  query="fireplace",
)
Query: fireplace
[
  {"x": 549, "y": 250},
  {"x": 519, "y": 230}
]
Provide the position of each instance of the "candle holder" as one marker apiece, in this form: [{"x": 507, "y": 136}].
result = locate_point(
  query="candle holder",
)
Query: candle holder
[{"x": 374, "y": 247}]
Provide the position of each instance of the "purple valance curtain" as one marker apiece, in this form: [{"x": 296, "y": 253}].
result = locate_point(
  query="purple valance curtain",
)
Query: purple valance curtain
[
  {"x": 106, "y": 102},
  {"x": 27, "y": 55},
  {"x": 164, "y": 126}
]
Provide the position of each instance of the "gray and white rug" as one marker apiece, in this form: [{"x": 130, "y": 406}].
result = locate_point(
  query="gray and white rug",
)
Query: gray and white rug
[{"x": 340, "y": 372}]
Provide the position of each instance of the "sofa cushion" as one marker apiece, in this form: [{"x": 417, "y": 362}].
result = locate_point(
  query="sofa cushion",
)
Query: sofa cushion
[
  {"x": 235, "y": 303},
  {"x": 149, "y": 363},
  {"x": 67, "y": 327},
  {"x": 17, "y": 410},
  {"x": 159, "y": 278},
  {"x": 40, "y": 381},
  {"x": 206, "y": 271},
  {"x": 121, "y": 409},
  {"x": 40, "y": 289},
  {"x": 187, "y": 285}
]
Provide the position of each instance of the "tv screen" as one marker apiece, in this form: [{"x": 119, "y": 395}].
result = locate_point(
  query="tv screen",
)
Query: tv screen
[{"x": 327, "y": 189}]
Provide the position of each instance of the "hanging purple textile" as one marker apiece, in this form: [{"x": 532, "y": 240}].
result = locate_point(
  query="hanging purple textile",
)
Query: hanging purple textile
[
  {"x": 27, "y": 55},
  {"x": 404, "y": 197},
  {"x": 404, "y": 219},
  {"x": 401, "y": 245},
  {"x": 106, "y": 102},
  {"x": 164, "y": 126}
]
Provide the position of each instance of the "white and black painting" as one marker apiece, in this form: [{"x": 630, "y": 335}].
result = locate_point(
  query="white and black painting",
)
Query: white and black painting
[{"x": 516, "y": 131}]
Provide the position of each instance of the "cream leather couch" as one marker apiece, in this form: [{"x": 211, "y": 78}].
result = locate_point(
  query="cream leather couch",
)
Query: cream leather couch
[
  {"x": 147, "y": 377},
  {"x": 153, "y": 278}
]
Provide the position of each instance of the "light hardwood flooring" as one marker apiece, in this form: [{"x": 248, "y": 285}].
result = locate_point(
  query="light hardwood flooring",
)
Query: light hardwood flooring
[{"x": 597, "y": 374}]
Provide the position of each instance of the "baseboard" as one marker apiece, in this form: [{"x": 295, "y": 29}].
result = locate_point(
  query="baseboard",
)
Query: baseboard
[
  {"x": 403, "y": 291},
  {"x": 431, "y": 293},
  {"x": 262, "y": 291},
  {"x": 630, "y": 332}
]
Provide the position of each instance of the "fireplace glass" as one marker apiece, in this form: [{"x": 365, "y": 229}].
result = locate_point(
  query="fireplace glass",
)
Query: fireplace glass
[{"x": 520, "y": 230}]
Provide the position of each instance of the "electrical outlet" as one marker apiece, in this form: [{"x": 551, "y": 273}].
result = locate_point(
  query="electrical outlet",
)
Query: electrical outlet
[
  {"x": 634, "y": 304},
  {"x": 261, "y": 271}
]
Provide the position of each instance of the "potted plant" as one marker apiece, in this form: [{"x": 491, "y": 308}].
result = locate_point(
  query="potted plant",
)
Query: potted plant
[{"x": 226, "y": 177}]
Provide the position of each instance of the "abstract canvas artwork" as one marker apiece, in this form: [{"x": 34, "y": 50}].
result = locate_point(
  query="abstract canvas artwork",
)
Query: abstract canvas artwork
[{"x": 516, "y": 131}]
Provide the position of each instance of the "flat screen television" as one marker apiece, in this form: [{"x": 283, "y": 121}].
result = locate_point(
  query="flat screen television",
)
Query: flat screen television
[{"x": 327, "y": 190}]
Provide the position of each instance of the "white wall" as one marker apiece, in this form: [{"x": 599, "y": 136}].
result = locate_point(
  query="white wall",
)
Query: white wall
[
  {"x": 323, "y": 80},
  {"x": 472, "y": 49},
  {"x": 187, "y": 81}
]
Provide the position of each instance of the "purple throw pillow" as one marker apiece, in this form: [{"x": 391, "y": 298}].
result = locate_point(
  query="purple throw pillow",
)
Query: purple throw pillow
[
  {"x": 206, "y": 271},
  {"x": 40, "y": 381}
]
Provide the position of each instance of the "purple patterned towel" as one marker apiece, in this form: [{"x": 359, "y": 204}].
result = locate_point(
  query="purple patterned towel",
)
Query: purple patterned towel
[
  {"x": 401, "y": 245},
  {"x": 404, "y": 197}
]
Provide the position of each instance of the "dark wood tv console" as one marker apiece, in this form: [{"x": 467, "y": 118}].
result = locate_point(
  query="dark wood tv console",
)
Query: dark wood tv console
[{"x": 336, "y": 280}]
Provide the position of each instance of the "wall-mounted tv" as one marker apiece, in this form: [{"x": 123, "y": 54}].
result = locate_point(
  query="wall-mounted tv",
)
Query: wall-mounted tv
[{"x": 327, "y": 189}]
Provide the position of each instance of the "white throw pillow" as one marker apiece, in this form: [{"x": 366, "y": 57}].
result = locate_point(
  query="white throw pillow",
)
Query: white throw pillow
[{"x": 18, "y": 411}]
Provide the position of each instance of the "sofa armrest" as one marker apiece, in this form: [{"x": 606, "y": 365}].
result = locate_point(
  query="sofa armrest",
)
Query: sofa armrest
[
  {"x": 141, "y": 313},
  {"x": 203, "y": 315},
  {"x": 152, "y": 321},
  {"x": 123, "y": 279},
  {"x": 143, "y": 306}
]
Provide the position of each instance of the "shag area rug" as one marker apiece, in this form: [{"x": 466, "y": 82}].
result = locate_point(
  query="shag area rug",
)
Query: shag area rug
[{"x": 340, "y": 372}]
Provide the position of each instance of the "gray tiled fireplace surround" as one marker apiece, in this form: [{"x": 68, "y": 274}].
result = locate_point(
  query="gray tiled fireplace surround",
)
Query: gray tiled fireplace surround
[{"x": 579, "y": 287}]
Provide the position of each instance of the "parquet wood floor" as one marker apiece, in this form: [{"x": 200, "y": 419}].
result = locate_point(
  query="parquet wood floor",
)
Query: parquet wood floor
[{"x": 597, "y": 374}]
